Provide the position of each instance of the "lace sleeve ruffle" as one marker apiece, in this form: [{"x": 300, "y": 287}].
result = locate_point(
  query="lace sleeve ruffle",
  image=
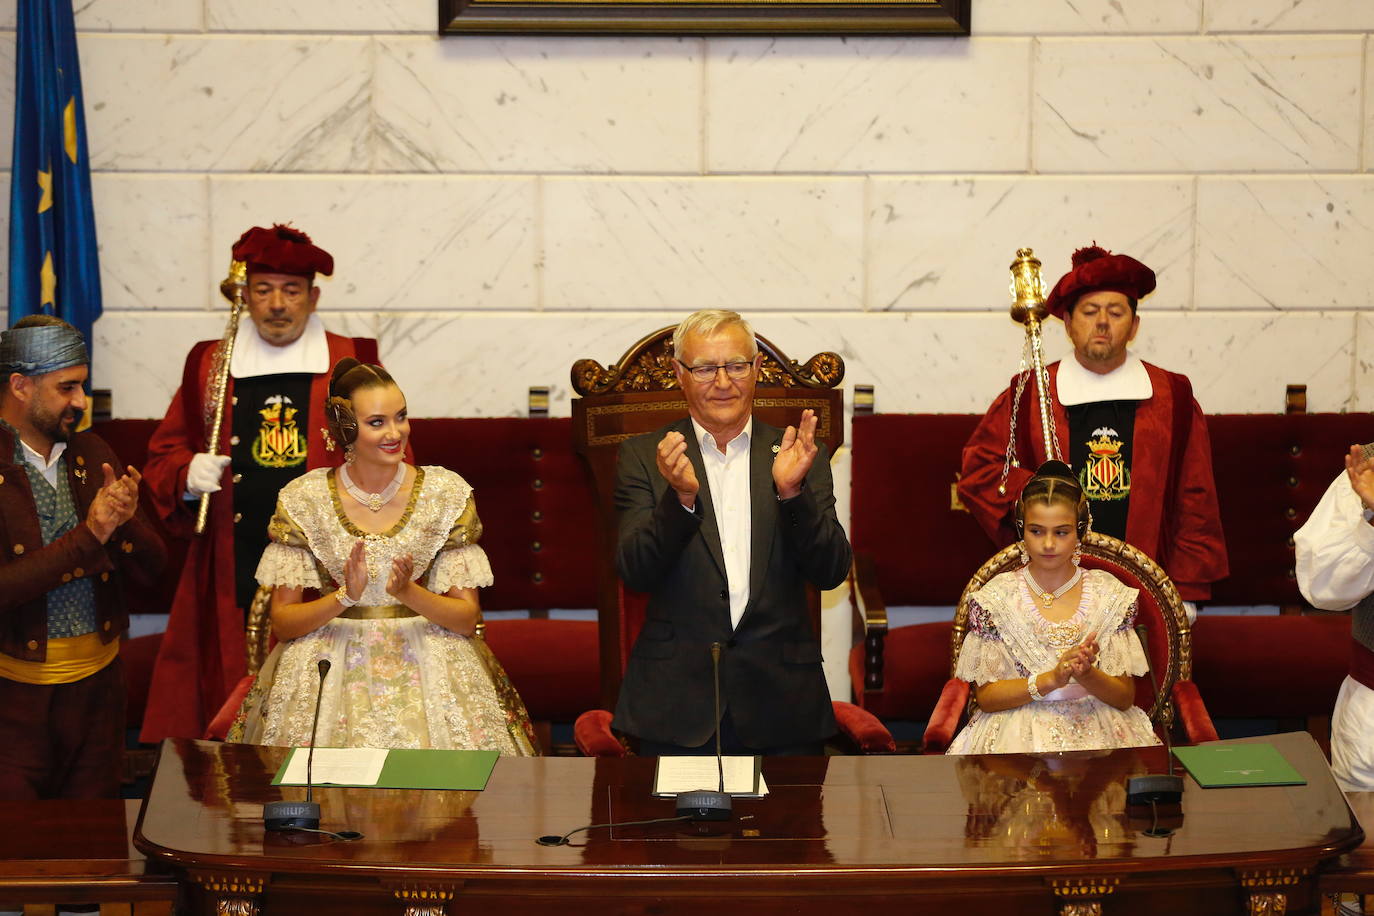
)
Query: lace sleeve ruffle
[
  {"x": 293, "y": 567},
  {"x": 463, "y": 567},
  {"x": 1121, "y": 652},
  {"x": 984, "y": 658}
]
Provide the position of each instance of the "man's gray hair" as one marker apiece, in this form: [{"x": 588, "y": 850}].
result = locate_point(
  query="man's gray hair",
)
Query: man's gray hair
[{"x": 708, "y": 322}]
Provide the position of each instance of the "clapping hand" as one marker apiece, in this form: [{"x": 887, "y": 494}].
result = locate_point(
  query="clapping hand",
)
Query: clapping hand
[
  {"x": 1360, "y": 470},
  {"x": 114, "y": 503},
  {"x": 1082, "y": 658},
  {"x": 355, "y": 571},
  {"x": 402, "y": 575},
  {"x": 795, "y": 455},
  {"x": 676, "y": 468}
]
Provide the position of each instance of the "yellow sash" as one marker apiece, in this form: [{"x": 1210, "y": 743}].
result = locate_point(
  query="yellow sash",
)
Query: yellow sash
[{"x": 69, "y": 660}]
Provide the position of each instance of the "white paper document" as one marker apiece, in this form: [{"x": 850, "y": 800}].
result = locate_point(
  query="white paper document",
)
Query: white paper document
[
  {"x": 689, "y": 774},
  {"x": 341, "y": 766}
]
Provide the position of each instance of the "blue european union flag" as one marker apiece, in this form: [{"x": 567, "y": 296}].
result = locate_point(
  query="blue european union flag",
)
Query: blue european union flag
[{"x": 54, "y": 267}]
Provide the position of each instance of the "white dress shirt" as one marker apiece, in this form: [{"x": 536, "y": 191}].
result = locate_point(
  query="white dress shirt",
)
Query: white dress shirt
[
  {"x": 727, "y": 476},
  {"x": 48, "y": 467},
  {"x": 1335, "y": 549}
]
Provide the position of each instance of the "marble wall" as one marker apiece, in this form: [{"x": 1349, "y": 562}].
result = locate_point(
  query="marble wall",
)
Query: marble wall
[{"x": 501, "y": 206}]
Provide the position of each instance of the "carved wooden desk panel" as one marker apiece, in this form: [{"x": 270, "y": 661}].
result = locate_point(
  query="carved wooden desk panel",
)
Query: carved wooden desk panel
[{"x": 988, "y": 834}]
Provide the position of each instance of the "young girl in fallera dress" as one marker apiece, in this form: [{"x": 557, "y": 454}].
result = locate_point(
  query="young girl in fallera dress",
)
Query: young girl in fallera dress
[
  {"x": 375, "y": 566},
  {"x": 1051, "y": 649}
]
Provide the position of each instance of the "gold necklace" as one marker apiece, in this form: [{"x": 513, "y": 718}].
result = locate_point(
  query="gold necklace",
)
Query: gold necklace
[{"x": 1047, "y": 597}]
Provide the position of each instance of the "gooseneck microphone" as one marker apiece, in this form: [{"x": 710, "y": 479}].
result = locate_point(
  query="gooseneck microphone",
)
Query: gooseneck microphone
[
  {"x": 290, "y": 815},
  {"x": 1155, "y": 789},
  {"x": 705, "y": 805}
]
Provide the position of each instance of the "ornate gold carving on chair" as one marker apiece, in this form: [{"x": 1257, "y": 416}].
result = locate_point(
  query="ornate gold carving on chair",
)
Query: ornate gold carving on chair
[
  {"x": 648, "y": 366},
  {"x": 1152, "y": 579},
  {"x": 255, "y": 634}
]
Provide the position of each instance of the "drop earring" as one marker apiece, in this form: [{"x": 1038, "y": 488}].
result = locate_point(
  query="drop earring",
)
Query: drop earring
[{"x": 1077, "y": 554}]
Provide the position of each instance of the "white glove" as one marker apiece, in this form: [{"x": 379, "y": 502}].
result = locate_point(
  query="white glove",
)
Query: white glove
[
  {"x": 1189, "y": 608},
  {"x": 205, "y": 473}
]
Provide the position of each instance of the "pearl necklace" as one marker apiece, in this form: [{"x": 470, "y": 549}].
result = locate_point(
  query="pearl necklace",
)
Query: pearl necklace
[
  {"x": 1047, "y": 597},
  {"x": 374, "y": 501}
]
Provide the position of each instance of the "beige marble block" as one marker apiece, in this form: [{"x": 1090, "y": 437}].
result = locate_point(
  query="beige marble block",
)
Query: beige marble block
[
  {"x": 436, "y": 243},
  {"x": 153, "y": 233},
  {"x": 1285, "y": 243},
  {"x": 1288, "y": 16},
  {"x": 1239, "y": 104},
  {"x": 227, "y": 103},
  {"x": 369, "y": 16},
  {"x": 681, "y": 244},
  {"x": 867, "y": 104},
  {"x": 1087, "y": 17},
  {"x": 947, "y": 242},
  {"x": 538, "y": 105}
]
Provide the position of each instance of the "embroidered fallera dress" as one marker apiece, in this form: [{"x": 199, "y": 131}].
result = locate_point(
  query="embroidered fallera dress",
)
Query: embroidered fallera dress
[
  {"x": 395, "y": 681},
  {"x": 1008, "y": 637}
]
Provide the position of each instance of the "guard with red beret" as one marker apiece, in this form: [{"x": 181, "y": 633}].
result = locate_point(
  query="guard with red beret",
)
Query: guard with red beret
[
  {"x": 1132, "y": 431},
  {"x": 278, "y": 377}
]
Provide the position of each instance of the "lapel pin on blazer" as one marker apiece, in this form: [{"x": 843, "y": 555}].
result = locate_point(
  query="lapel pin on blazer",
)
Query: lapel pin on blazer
[{"x": 80, "y": 474}]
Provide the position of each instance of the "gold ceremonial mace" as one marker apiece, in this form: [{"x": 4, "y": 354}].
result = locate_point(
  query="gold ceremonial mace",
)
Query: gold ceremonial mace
[
  {"x": 231, "y": 288},
  {"x": 1028, "y": 308}
]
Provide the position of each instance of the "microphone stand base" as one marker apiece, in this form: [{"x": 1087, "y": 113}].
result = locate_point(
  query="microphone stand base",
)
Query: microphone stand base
[
  {"x": 290, "y": 815},
  {"x": 1163, "y": 789},
  {"x": 705, "y": 805}
]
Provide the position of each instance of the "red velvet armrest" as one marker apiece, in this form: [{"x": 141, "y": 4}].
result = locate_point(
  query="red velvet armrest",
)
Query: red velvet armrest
[
  {"x": 219, "y": 726},
  {"x": 1197, "y": 724},
  {"x": 862, "y": 728},
  {"x": 593, "y": 735},
  {"x": 944, "y": 718}
]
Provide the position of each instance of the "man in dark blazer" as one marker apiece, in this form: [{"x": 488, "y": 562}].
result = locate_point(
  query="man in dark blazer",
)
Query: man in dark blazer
[{"x": 723, "y": 521}]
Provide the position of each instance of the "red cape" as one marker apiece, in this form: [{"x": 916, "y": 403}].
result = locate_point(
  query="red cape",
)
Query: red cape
[
  {"x": 1185, "y": 538},
  {"x": 202, "y": 656}
]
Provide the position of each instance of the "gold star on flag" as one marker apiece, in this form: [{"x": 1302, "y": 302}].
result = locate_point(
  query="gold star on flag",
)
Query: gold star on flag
[
  {"x": 45, "y": 182},
  {"x": 48, "y": 282},
  {"x": 69, "y": 128}
]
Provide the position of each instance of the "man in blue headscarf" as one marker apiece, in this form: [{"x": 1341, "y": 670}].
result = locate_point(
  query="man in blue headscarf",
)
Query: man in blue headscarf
[{"x": 72, "y": 533}]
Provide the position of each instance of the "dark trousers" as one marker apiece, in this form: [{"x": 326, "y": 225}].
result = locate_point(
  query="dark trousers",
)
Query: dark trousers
[
  {"x": 730, "y": 744},
  {"x": 63, "y": 740}
]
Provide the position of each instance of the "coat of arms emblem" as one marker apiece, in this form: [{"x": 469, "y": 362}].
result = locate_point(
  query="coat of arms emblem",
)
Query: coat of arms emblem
[
  {"x": 280, "y": 442},
  {"x": 1105, "y": 475}
]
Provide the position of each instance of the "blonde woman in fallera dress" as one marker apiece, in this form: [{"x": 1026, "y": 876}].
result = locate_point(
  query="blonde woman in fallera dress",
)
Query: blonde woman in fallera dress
[
  {"x": 1051, "y": 649},
  {"x": 391, "y": 552}
]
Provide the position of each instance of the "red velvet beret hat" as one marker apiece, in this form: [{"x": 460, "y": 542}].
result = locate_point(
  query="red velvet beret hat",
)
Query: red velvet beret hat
[
  {"x": 1096, "y": 269},
  {"x": 282, "y": 250}
]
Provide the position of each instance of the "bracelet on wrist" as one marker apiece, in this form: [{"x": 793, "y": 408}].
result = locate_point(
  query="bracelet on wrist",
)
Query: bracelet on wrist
[
  {"x": 1033, "y": 688},
  {"x": 344, "y": 598}
]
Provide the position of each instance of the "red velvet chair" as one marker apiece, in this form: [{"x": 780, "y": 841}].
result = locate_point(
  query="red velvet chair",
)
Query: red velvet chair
[
  {"x": 639, "y": 394},
  {"x": 1167, "y": 633}
]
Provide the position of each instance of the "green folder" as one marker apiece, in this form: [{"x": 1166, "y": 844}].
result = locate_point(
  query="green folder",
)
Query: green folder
[
  {"x": 423, "y": 769},
  {"x": 1221, "y": 765}
]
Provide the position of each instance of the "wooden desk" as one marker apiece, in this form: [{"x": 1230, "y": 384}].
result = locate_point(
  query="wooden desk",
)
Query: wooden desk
[
  {"x": 78, "y": 852},
  {"x": 1004, "y": 834}
]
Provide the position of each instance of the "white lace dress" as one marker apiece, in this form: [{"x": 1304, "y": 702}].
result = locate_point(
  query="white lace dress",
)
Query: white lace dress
[
  {"x": 396, "y": 681},
  {"x": 1008, "y": 637}
]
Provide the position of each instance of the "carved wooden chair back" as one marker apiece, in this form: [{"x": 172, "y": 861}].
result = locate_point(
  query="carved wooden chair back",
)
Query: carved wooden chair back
[{"x": 1160, "y": 610}]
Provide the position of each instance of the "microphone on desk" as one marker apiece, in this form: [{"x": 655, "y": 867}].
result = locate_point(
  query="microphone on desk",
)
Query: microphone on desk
[
  {"x": 707, "y": 805},
  {"x": 291, "y": 815},
  {"x": 1155, "y": 789}
]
